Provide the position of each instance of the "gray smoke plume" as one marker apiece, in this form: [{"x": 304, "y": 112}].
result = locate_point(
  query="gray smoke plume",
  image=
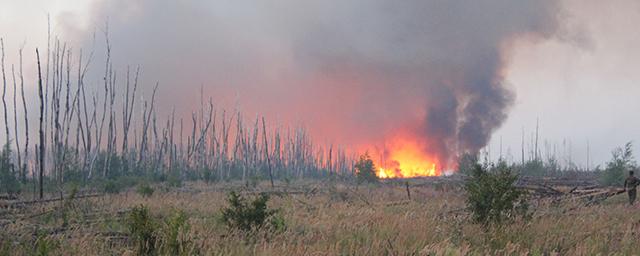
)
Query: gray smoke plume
[{"x": 353, "y": 71}]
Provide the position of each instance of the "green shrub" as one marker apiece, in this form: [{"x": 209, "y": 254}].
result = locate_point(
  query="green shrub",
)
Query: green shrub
[
  {"x": 111, "y": 187},
  {"x": 621, "y": 162},
  {"x": 145, "y": 190},
  {"x": 534, "y": 167},
  {"x": 278, "y": 222},
  {"x": 208, "y": 176},
  {"x": 365, "y": 169},
  {"x": 176, "y": 229},
  {"x": 45, "y": 246},
  {"x": 5, "y": 247},
  {"x": 142, "y": 229},
  {"x": 8, "y": 181},
  {"x": 492, "y": 197},
  {"x": 254, "y": 180},
  {"x": 249, "y": 216},
  {"x": 128, "y": 181},
  {"x": 71, "y": 167},
  {"x": 174, "y": 179},
  {"x": 466, "y": 163}
]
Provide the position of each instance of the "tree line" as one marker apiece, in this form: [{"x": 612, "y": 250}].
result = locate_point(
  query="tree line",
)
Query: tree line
[{"x": 98, "y": 131}]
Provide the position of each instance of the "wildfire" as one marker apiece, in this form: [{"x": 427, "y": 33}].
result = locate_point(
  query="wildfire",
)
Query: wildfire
[{"x": 405, "y": 158}]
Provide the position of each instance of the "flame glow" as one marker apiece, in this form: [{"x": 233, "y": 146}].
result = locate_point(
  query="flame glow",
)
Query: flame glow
[{"x": 405, "y": 158}]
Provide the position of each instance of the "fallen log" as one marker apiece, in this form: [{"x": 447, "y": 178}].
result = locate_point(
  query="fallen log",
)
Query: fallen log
[
  {"x": 24, "y": 203},
  {"x": 600, "y": 197},
  {"x": 8, "y": 197},
  {"x": 273, "y": 193}
]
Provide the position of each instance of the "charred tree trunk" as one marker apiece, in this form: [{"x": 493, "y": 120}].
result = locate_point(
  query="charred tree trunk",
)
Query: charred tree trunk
[
  {"x": 42, "y": 140},
  {"x": 145, "y": 128},
  {"x": 26, "y": 124},
  {"x": 266, "y": 151},
  {"x": 4, "y": 102},
  {"x": 15, "y": 121}
]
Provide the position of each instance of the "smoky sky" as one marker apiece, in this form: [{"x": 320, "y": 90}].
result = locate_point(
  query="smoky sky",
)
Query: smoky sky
[{"x": 351, "y": 71}]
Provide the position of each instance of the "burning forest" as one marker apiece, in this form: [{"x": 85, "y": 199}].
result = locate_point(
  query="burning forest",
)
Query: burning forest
[
  {"x": 360, "y": 127},
  {"x": 434, "y": 106}
]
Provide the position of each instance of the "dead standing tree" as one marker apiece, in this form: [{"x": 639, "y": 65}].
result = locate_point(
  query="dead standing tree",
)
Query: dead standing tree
[
  {"x": 26, "y": 124},
  {"x": 111, "y": 134},
  {"x": 57, "y": 79},
  {"x": 107, "y": 80},
  {"x": 15, "y": 122},
  {"x": 41, "y": 148},
  {"x": 4, "y": 102},
  {"x": 266, "y": 151},
  {"x": 127, "y": 114},
  {"x": 147, "y": 113},
  {"x": 207, "y": 149},
  {"x": 82, "y": 134}
]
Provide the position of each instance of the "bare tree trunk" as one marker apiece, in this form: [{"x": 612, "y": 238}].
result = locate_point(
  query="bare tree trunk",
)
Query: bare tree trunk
[
  {"x": 535, "y": 154},
  {"x": 329, "y": 162},
  {"x": 238, "y": 145},
  {"x": 46, "y": 85},
  {"x": 86, "y": 139},
  {"x": 57, "y": 147},
  {"x": 181, "y": 137},
  {"x": 128, "y": 111},
  {"x": 70, "y": 109},
  {"x": 107, "y": 80},
  {"x": 80, "y": 133},
  {"x": 111, "y": 132},
  {"x": 198, "y": 146},
  {"x": 522, "y": 146},
  {"x": 147, "y": 121},
  {"x": 15, "y": 121},
  {"x": 171, "y": 145},
  {"x": 4, "y": 102},
  {"x": 26, "y": 125},
  {"x": 266, "y": 151},
  {"x": 42, "y": 140}
]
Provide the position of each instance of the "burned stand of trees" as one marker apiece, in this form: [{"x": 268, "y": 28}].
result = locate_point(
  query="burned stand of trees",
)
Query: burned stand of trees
[{"x": 105, "y": 130}]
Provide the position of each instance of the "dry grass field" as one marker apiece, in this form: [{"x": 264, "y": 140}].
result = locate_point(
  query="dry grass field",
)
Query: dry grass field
[{"x": 323, "y": 219}]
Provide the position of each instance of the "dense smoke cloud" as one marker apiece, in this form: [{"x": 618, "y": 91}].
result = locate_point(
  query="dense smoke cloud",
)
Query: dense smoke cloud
[{"x": 352, "y": 71}]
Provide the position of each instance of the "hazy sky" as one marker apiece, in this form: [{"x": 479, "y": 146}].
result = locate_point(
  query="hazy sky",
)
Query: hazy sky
[
  {"x": 581, "y": 92},
  {"x": 579, "y": 80}
]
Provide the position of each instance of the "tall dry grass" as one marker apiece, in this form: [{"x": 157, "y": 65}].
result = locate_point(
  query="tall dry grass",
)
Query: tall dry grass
[{"x": 332, "y": 219}]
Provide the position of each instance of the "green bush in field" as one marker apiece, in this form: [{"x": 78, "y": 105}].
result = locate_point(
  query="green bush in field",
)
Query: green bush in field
[
  {"x": 111, "y": 187},
  {"x": 466, "y": 163},
  {"x": 254, "y": 180},
  {"x": 278, "y": 222},
  {"x": 250, "y": 216},
  {"x": 366, "y": 169},
  {"x": 175, "y": 230},
  {"x": 46, "y": 246},
  {"x": 621, "y": 162},
  {"x": 208, "y": 176},
  {"x": 152, "y": 236},
  {"x": 492, "y": 196},
  {"x": 5, "y": 247},
  {"x": 145, "y": 190},
  {"x": 143, "y": 230},
  {"x": 174, "y": 179},
  {"x": 8, "y": 181}
]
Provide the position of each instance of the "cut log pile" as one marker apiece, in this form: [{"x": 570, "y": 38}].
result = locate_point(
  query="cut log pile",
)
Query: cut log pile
[
  {"x": 555, "y": 188},
  {"x": 586, "y": 190},
  {"x": 558, "y": 182}
]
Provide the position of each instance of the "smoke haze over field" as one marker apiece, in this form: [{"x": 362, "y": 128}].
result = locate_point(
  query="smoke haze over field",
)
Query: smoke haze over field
[{"x": 354, "y": 72}]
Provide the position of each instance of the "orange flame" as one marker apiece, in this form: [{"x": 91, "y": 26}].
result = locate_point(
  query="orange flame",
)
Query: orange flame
[{"x": 405, "y": 158}]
